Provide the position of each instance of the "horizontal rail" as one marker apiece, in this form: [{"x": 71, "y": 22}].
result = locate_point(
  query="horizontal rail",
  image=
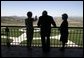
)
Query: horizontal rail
[{"x": 38, "y": 27}]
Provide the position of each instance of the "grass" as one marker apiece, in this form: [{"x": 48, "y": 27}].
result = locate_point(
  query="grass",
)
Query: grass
[
  {"x": 4, "y": 40},
  {"x": 36, "y": 34},
  {"x": 53, "y": 33},
  {"x": 38, "y": 42},
  {"x": 13, "y": 32},
  {"x": 75, "y": 35}
]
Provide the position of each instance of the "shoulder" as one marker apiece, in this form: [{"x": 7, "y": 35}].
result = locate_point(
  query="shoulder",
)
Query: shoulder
[
  {"x": 40, "y": 16},
  {"x": 50, "y": 16}
]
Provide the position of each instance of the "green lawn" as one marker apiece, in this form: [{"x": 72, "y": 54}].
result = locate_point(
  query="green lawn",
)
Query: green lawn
[
  {"x": 75, "y": 35},
  {"x": 13, "y": 32},
  {"x": 54, "y": 32},
  {"x": 4, "y": 40},
  {"x": 38, "y": 42}
]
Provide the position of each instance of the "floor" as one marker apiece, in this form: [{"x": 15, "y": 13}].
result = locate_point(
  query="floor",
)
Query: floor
[{"x": 23, "y": 51}]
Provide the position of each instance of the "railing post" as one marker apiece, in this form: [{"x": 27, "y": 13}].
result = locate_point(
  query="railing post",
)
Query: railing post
[{"x": 7, "y": 34}]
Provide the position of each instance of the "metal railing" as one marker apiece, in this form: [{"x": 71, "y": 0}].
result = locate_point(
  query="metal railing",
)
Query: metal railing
[{"x": 16, "y": 35}]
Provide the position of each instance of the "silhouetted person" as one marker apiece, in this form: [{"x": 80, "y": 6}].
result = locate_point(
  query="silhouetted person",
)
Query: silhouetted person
[
  {"x": 29, "y": 28},
  {"x": 64, "y": 31},
  {"x": 44, "y": 23}
]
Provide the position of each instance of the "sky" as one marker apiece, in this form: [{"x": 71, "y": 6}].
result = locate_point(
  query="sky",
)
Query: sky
[{"x": 54, "y": 8}]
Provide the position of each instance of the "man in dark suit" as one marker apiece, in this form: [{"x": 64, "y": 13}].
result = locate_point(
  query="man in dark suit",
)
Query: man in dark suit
[{"x": 44, "y": 23}]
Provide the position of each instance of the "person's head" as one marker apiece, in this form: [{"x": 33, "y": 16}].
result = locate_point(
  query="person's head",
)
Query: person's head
[
  {"x": 64, "y": 16},
  {"x": 44, "y": 13},
  {"x": 29, "y": 14}
]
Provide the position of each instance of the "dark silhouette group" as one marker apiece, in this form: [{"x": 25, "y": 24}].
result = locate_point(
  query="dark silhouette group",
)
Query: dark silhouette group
[{"x": 44, "y": 23}]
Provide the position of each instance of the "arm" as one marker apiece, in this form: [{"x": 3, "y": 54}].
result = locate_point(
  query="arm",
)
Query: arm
[
  {"x": 39, "y": 21},
  {"x": 35, "y": 19},
  {"x": 53, "y": 22}
]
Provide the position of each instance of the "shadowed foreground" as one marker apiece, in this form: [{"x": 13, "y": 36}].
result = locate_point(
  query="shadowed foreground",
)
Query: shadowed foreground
[{"x": 22, "y": 51}]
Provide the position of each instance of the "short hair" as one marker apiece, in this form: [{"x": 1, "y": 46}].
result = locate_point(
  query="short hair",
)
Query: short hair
[
  {"x": 44, "y": 12},
  {"x": 29, "y": 14},
  {"x": 64, "y": 16}
]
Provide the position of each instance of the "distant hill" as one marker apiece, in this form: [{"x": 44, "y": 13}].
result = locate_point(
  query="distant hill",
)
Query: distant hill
[
  {"x": 20, "y": 21},
  {"x": 73, "y": 21}
]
